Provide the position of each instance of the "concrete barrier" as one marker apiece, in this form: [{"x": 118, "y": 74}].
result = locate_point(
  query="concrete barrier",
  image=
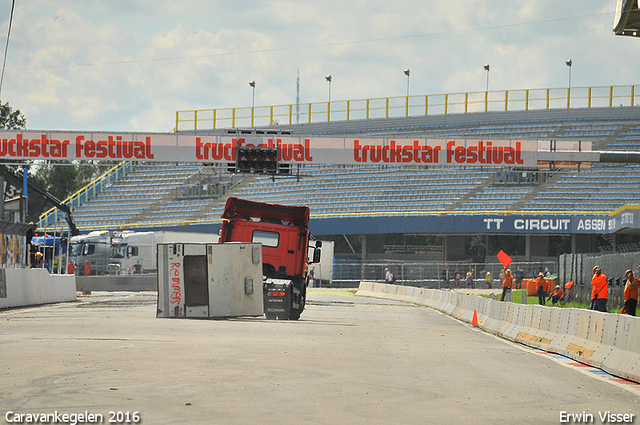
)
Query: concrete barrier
[
  {"x": 603, "y": 340},
  {"x": 24, "y": 287},
  {"x": 134, "y": 282}
]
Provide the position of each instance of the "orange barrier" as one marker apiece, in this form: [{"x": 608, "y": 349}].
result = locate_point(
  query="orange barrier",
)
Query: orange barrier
[{"x": 532, "y": 285}]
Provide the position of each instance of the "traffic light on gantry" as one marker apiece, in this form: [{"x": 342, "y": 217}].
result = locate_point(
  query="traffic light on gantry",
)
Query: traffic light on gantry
[{"x": 260, "y": 159}]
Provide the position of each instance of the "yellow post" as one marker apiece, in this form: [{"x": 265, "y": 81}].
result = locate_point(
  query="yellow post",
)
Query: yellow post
[
  {"x": 348, "y": 109},
  {"x": 589, "y": 95},
  {"x": 215, "y": 111},
  {"x": 446, "y": 103},
  {"x": 568, "y": 97},
  {"x": 271, "y": 115},
  {"x": 486, "y": 101},
  {"x": 177, "y": 119},
  {"x": 633, "y": 101},
  {"x": 466, "y": 103},
  {"x": 426, "y": 105},
  {"x": 610, "y": 96},
  {"x": 406, "y": 107},
  {"x": 290, "y": 114},
  {"x": 329, "y": 111},
  {"x": 310, "y": 113},
  {"x": 387, "y": 108},
  {"x": 547, "y": 98},
  {"x": 367, "y": 108},
  {"x": 506, "y": 100},
  {"x": 252, "y": 112},
  {"x": 526, "y": 102},
  {"x": 195, "y": 119},
  {"x": 233, "y": 118}
]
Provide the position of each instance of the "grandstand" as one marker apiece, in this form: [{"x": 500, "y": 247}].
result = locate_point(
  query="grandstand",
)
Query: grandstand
[{"x": 156, "y": 195}]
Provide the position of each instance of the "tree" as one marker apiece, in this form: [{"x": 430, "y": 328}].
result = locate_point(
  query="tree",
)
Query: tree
[{"x": 10, "y": 119}]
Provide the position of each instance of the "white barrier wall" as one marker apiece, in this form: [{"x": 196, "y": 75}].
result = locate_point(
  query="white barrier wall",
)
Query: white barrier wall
[
  {"x": 604, "y": 340},
  {"x": 23, "y": 287}
]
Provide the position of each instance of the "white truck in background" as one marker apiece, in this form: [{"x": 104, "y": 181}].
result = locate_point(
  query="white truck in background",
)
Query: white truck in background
[
  {"x": 322, "y": 272},
  {"x": 126, "y": 252}
]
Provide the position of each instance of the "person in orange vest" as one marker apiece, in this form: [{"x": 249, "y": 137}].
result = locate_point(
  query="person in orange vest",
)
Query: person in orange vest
[
  {"x": 541, "y": 293},
  {"x": 507, "y": 283},
  {"x": 87, "y": 269},
  {"x": 567, "y": 292},
  {"x": 600, "y": 291},
  {"x": 557, "y": 295},
  {"x": 631, "y": 293}
]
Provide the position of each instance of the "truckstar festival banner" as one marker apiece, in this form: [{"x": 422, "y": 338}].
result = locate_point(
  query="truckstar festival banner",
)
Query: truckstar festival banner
[{"x": 162, "y": 147}]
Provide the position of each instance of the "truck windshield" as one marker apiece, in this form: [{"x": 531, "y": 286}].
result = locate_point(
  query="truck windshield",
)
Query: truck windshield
[
  {"x": 270, "y": 239},
  {"x": 118, "y": 251},
  {"x": 76, "y": 249}
]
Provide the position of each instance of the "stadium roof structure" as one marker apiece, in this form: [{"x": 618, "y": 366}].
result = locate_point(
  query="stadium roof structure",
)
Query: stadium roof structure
[{"x": 627, "y": 19}]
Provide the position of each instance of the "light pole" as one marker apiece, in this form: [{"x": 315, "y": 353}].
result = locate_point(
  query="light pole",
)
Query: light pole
[
  {"x": 253, "y": 100},
  {"x": 329, "y": 78},
  {"x": 569, "y": 63},
  {"x": 487, "y": 68},
  {"x": 407, "y": 72}
]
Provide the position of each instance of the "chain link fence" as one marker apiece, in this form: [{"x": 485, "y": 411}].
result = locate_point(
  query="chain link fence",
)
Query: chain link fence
[{"x": 349, "y": 273}]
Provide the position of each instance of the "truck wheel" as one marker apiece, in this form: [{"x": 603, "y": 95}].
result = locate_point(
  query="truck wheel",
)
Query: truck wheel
[{"x": 294, "y": 314}]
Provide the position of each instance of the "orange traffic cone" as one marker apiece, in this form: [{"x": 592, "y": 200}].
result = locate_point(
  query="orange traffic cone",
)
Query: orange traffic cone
[{"x": 474, "y": 320}]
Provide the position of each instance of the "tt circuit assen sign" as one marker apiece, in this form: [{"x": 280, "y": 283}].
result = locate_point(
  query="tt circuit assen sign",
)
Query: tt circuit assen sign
[{"x": 54, "y": 145}]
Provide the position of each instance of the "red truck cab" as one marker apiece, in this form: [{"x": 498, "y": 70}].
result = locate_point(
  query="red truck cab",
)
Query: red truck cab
[{"x": 284, "y": 234}]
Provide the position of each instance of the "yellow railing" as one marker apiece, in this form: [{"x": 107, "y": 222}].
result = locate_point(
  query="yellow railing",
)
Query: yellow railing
[
  {"x": 405, "y": 106},
  {"x": 52, "y": 215}
]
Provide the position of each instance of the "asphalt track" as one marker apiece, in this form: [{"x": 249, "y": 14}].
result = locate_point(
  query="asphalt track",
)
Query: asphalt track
[{"x": 348, "y": 360}]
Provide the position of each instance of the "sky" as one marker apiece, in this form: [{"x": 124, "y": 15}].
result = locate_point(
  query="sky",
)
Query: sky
[{"x": 97, "y": 65}]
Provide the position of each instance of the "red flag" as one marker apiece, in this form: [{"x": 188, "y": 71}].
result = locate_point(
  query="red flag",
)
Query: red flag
[{"x": 504, "y": 259}]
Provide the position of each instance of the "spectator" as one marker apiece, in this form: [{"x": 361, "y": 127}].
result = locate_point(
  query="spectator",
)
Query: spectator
[
  {"x": 631, "y": 293},
  {"x": 71, "y": 268},
  {"x": 137, "y": 268},
  {"x": 31, "y": 232},
  {"x": 600, "y": 291},
  {"x": 312, "y": 276},
  {"x": 541, "y": 292},
  {"x": 87, "y": 268},
  {"x": 456, "y": 281},
  {"x": 488, "y": 279},
  {"x": 469, "y": 280},
  {"x": 445, "y": 277},
  {"x": 388, "y": 276},
  {"x": 38, "y": 260},
  {"x": 507, "y": 283},
  {"x": 556, "y": 296}
]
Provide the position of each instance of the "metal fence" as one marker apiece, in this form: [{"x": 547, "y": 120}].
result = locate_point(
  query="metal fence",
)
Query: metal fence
[
  {"x": 349, "y": 273},
  {"x": 579, "y": 268},
  {"x": 405, "y": 106}
]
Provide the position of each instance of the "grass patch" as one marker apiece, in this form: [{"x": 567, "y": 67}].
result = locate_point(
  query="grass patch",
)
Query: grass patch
[{"x": 516, "y": 295}]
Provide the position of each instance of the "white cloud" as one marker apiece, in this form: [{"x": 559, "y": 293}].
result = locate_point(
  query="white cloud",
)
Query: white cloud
[{"x": 118, "y": 65}]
